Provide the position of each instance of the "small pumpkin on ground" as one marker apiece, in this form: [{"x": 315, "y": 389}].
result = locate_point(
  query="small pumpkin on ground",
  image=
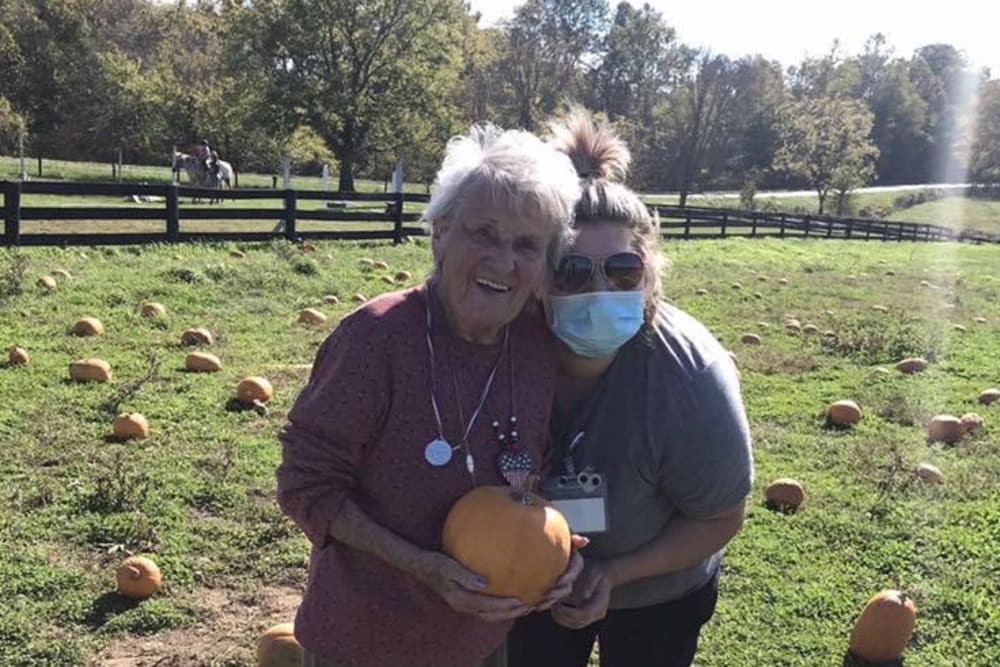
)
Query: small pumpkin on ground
[
  {"x": 750, "y": 339},
  {"x": 972, "y": 422},
  {"x": 946, "y": 428},
  {"x": 197, "y": 336},
  {"x": 843, "y": 413},
  {"x": 277, "y": 647},
  {"x": 88, "y": 326},
  {"x": 988, "y": 396},
  {"x": 885, "y": 627},
  {"x": 18, "y": 356},
  {"x": 153, "y": 309},
  {"x": 312, "y": 317},
  {"x": 253, "y": 390},
  {"x": 90, "y": 370},
  {"x": 47, "y": 283},
  {"x": 131, "y": 426},
  {"x": 928, "y": 473},
  {"x": 516, "y": 540},
  {"x": 912, "y": 365},
  {"x": 202, "y": 362},
  {"x": 138, "y": 578},
  {"x": 784, "y": 494}
]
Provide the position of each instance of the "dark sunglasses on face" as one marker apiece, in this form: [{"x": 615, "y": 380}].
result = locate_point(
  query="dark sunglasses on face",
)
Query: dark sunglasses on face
[{"x": 622, "y": 270}]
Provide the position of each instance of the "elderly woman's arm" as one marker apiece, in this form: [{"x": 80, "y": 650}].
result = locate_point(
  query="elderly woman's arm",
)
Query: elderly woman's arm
[{"x": 323, "y": 445}]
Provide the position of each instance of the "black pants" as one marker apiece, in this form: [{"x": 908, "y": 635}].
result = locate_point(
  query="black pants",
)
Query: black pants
[{"x": 663, "y": 635}]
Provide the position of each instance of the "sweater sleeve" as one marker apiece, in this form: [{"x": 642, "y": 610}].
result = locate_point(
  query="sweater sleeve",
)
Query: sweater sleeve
[{"x": 339, "y": 412}]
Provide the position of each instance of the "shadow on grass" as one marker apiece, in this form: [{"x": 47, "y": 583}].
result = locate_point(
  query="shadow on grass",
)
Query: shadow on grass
[
  {"x": 106, "y": 607},
  {"x": 851, "y": 660}
]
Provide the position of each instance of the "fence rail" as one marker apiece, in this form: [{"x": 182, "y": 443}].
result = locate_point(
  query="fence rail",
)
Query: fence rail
[{"x": 690, "y": 222}]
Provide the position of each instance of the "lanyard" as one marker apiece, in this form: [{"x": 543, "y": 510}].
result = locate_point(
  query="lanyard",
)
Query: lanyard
[{"x": 568, "y": 462}]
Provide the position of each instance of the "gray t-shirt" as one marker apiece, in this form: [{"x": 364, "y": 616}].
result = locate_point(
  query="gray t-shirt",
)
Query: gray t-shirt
[{"x": 667, "y": 429}]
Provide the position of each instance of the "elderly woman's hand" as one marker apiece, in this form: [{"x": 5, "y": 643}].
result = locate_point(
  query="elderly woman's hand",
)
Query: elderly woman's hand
[
  {"x": 462, "y": 589},
  {"x": 564, "y": 585}
]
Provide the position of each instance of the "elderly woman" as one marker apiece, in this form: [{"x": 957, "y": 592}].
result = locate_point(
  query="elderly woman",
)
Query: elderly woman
[
  {"x": 416, "y": 398},
  {"x": 648, "y": 403}
]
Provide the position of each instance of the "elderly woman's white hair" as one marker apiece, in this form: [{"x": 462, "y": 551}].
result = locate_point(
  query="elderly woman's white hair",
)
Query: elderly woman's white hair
[{"x": 512, "y": 170}]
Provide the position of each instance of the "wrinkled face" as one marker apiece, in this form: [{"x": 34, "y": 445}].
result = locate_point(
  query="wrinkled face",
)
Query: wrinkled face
[{"x": 489, "y": 263}]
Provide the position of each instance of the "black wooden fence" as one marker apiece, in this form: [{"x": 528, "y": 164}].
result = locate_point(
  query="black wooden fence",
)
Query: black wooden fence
[
  {"x": 286, "y": 218},
  {"x": 676, "y": 222},
  {"x": 693, "y": 222}
]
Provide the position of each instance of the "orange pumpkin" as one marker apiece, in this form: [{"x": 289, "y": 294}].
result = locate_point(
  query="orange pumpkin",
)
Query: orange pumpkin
[
  {"x": 153, "y": 309},
  {"x": 311, "y": 316},
  {"x": 254, "y": 390},
  {"x": 138, "y": 578},
  {"x": 202, "y": 362},
  {"x": 88, "y": 326},
  {"x": 518, "y": 542},
  {"x": 884, "y": 628},
  {"x": 131, "y": 425},
  {"x": 278, "y": 647},
  {"x": 946, "y": 428},
  {"x": 843, "y": 413},
  {"x": 785, "y": 494},
  {"x": 90, "y": 370},
  {"x": 18, "y": 356},
  {"x": 197, "y": 336}
]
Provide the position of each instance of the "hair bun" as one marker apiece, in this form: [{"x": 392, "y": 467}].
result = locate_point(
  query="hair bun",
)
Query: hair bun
[{"x": 596, "y": 151}]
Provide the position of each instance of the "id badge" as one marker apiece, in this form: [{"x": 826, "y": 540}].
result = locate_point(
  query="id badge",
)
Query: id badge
[{"x": 582, "y": 499}]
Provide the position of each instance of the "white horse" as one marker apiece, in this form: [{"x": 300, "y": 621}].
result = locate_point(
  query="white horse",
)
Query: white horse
[{"x": 201, "y": 177}]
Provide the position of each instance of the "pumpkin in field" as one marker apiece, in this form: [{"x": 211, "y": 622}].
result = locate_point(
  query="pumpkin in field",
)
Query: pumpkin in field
[
  {"x": 880, "y": 309},
  {"x": 197, "y": 336},
  {"x": 381, "y": 266},
  {"x": 782, "y": 281},
  {"x": 18, "y": 356},
  {"x": 784, "y": 494},
  {"x": 62, "y": 273},
  {"x": 972, "y": 422},
  {"x": 912, "y": 365},
  {"x": 253, "y": 390},
  {"x": 237, "y": 254},
  {"x": 750, "y": 339},
  {"x": 980, "y": 320},
  {"x": 358, "y": 298},
  {"x": 928, "y": 473},
  {"x": 366, "y": 263},
  {"x": 701, "y": 291},
  {"x": 946, "y": 428},
  {"x": 277, "y": 647},
  {"x": 311, "y": 316},
  {"x": 516, "y": 540},
  {"x": 131, "y": 425},
  {"x": 138, "y": 578},
  {"x": 884, "y": 628},
  {"x": 202, "y": 362},
  {"x": 88, "y": 326},
  {"x": 843, "y": 413},
  {"x": 810, "y": 330},
  {"x": 47, "y": 283},
  {"x": 153, "y": 309},
  {"x": 331, "y": 298},
  {"x": 90, "y": 370},
  {"x": 989, "y": 396},
  {"x": 960, "y": 328},
  {"x": 403, "y": 276}
]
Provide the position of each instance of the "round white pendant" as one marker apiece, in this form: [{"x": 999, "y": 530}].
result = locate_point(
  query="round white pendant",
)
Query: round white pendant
[{"x": 438, "y": 452}]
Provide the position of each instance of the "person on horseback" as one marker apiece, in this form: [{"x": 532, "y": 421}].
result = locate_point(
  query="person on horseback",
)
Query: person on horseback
[{"x": 207, "y": 156}]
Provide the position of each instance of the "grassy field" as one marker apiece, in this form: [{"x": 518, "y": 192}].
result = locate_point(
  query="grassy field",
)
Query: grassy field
[
  {"x": 982, "y": 214},
  {"x": 199, "y": 493}
]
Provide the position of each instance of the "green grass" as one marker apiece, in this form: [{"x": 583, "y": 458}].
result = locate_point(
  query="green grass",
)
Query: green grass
[
  {"x": 199, "y": 493},
  {"x": 956, "y": 212}
]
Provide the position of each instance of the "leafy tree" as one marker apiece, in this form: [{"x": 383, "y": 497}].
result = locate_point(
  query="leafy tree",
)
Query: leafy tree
[
  {"x": 352, "y": 71},
  {"x": 826, "y": 142},
  {"x": 984, "y": 154},
  {"x": 547, "y": 42}
]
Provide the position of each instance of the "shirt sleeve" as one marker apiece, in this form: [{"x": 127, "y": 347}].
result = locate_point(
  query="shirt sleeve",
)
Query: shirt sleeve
[
  {"x": 339, "y": 412},
  {"x": 708, "y": 466}
]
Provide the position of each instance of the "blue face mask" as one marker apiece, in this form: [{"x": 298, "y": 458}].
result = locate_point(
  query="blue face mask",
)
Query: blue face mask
[{"x": 596, "y": 324}]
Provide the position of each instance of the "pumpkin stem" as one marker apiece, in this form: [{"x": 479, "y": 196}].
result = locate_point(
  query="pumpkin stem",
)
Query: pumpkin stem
[{"x": 134, "y": 572}]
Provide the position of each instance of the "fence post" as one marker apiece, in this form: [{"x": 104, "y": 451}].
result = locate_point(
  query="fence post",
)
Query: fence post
[
  {"x": 12, "y": 213},
  {"x": 397, "y": 212},
  {"x": 173, "y": 215},
  {"x": 687, "y": 225},
  {"x": 290, "y": 214},
  {"x": 829, "y": 228},
  {"x": 805, "y": 225},
  {"x": 753, "y": 223},
  {"x": 847, "y": 229},
  {"x": 725, "y": 220},
  {"x": 868, "y": 230},
  {"x": 782, "y": 233}
]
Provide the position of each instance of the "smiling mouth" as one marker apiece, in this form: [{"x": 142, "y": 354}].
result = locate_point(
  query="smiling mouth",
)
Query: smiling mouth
[{"x": 492, "y": 286}]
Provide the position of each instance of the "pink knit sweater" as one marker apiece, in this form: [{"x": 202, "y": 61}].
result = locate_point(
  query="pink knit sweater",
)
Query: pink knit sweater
[{"x": 358, "y": 430}]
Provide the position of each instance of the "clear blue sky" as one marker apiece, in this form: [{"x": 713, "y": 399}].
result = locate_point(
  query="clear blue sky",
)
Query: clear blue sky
[{"x": 787, "y": 30}]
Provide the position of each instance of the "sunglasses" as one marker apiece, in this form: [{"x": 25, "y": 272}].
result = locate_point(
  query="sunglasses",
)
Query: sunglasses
[{"x": 622, "y": 270}]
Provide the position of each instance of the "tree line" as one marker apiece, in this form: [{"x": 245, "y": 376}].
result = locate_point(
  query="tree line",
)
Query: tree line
[{"x": 358, "y": 83}]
